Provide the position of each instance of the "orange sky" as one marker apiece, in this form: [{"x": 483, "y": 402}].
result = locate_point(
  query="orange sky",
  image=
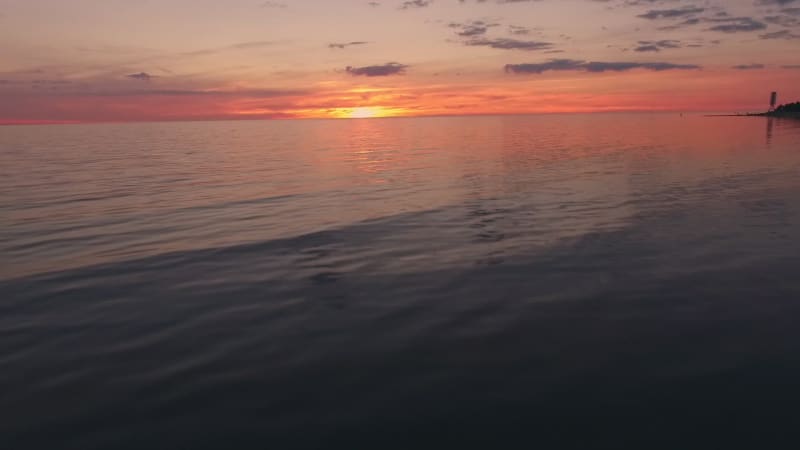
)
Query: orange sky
[{"x": 108, "y": 60}]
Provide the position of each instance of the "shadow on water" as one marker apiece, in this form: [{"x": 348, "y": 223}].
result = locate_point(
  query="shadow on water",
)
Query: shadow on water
[
  {"x": 770, "y": 126},
  {"x": 787, "y": 123}
]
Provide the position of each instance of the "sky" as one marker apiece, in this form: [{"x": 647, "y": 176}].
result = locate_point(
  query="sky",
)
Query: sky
[{"x": 145, "y": 60}]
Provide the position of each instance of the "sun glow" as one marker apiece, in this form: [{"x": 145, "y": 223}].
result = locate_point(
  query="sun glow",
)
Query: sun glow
[
  {"x": 364, "y": 113},
  {"x": 359, "y": 112}
]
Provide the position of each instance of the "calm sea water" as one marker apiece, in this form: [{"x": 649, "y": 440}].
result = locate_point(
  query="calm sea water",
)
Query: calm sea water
[{"x": 587, "y": 281}]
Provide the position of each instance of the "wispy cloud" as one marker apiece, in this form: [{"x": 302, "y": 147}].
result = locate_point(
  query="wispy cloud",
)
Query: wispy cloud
[
  {"x": 655, "y": 14},
  {"x": 782, "y": 34},
  {"x": 343, "y": 45},
  {"x": 593, "y": 66},
  {"x": 141, "y": 76},
  {"x": 473, "y": 28},
  {"x": 273, "y": 4},
  {"x": 656, "y": 46},
  {"x": 382, "y": 70},
  {"x": 509, "y": 44},
  {"x": 736, "y": 24},
  {"x": 411, "y": 4}
]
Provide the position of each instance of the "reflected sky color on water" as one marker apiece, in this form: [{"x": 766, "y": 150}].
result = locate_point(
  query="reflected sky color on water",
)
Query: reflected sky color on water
[
  {"x": 569, "y": 281},
  {"x": 83, "y": 195}
]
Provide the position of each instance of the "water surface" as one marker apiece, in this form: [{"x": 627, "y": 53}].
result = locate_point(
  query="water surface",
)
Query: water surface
[{"x": 566, "y": 281}]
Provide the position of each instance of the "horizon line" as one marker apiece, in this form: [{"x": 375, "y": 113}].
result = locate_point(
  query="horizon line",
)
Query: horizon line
[{"x": 421, "y": 116}]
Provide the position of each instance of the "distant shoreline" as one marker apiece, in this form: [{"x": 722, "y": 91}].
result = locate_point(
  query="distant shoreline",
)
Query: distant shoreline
[{"x": 785, "y": 115}]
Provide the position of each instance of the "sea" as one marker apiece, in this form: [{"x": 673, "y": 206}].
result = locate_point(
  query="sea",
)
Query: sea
[{"x": 596, "y": 281}]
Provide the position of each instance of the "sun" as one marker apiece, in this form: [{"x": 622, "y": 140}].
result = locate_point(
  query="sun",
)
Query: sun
[{"x": 364, "y": 113}]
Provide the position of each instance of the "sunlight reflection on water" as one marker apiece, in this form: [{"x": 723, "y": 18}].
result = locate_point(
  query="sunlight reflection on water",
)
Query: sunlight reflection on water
[{"x": 80, "y": 195}]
